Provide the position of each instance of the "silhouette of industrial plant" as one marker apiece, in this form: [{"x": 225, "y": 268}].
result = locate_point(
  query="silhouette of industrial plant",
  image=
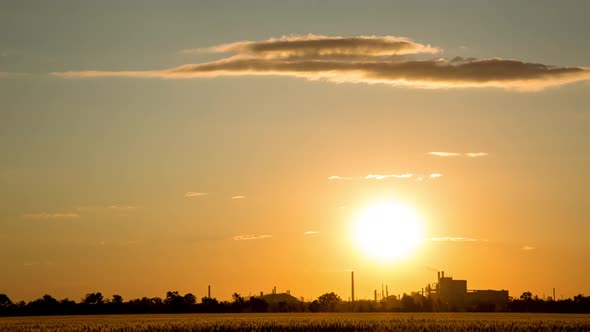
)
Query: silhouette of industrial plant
[{"x": 447, "y": 294}]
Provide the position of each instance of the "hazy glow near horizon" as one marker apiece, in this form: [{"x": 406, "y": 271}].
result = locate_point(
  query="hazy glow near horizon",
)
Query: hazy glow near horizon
[{"x": 387, "y": 231}]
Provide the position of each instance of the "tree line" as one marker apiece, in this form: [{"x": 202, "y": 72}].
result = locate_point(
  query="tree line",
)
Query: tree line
[{"x": 174, "y": 302}]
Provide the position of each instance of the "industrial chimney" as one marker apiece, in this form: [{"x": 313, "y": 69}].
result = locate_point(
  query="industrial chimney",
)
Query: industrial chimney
[{"x": 352, "y": 285}]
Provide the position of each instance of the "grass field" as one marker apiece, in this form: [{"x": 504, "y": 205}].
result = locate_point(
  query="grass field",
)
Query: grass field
[{"x": 304, "y": 322}]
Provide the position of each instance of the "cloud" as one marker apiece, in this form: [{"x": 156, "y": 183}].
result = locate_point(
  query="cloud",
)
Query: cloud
[
  {"x": 45, "y": 215},
  {"x": 336, "y": 177},
  {"x": 315, "y": 47},
  {"x": 362, "y": 59},
  {"x": 311, "y": 233},
  {"x": 238, "y": 197},
  {"x": 251, "y": 237},
  {"x": 456, "y": 154},
  {"x": 388, "y": 176},
  {"x": 476, "y": 154},
  {"x": 194, "y": 194},
  {"x": 456, "y": 239},
  {"x": 444, "y": 154},
  {"x": 527, "y": 248}
]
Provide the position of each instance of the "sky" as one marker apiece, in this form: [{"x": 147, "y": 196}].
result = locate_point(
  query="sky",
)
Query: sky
[{"x": 148, "y": 146}]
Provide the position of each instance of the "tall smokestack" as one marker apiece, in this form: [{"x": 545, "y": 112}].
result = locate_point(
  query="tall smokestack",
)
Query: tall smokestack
[
  {"x": 554, "y": 294},
  {"x": 209, "y": 291},
  {"x": 375, "y": 295},
  {"x": 438, "y": 276},
  {"x": 442, "y": 274},
  {"x": 386, "y": 291},
  {"x": 352, "y": 285}
]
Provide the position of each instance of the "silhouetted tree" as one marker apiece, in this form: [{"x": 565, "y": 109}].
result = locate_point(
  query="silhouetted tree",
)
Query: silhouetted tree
[
  {"x": 117, "y": 299},
  {"x": 238, "y": 303},
  {"x": 329, "y": 301},
  {"x": 93, "y": 298},
  {"x": 6, "y": 305}
]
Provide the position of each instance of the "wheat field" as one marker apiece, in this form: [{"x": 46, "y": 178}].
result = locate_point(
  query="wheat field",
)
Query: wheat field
[{"x": 304, "y": 322}]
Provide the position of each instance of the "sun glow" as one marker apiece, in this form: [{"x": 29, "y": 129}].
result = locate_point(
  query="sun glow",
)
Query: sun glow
[{"x": 387, "y": 231}]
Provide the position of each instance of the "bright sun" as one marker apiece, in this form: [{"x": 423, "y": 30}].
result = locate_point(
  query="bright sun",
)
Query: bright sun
[{"x": 387, "y": 231}]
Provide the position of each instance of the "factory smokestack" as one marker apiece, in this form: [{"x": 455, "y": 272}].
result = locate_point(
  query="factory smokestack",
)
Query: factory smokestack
[
  {"x": 352, "y": 285},
  {"x": 209, "y": 291}
]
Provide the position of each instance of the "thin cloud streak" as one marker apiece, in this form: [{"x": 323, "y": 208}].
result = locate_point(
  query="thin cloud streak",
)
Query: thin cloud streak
[
  {"x": 444, "y": 154},
  {"x": 238, "y": 197},
  {"x": 336, "y": 177},
  {"x": 476, "y": 154},
  {"x": 247, "y": 237},
  {"x": 194, "y": 194},
  {"x": 380, "y": 177},
  {"x": 388, "y": 176},
  {"x": 456, "y": 154},
  {"x": 45, "y": 215},
  {"x": 311, "y": 233},
  {"x": 528, "y": 248},
  {"x": 369, "y": 60}
]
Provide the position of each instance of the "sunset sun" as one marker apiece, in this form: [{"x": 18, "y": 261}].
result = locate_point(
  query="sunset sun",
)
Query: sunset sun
[{"x": 387, "y": 231}]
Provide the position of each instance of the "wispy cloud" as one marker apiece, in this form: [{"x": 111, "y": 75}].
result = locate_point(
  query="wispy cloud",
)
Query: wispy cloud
[
  {"x": 388, "y": 176},
  {"x": 444, "y": 154},
  {"x": 336, "y": 177},
  {"x": 379, "y": 177},
  {"x": 456, "y": 239},
  {"x": 46, "y": 215},
  {"x": 238, "y": 197},
  {"x": 476, "y": 154},
  {"x": 311, "y": 233},
  {"x": 251, "y": 237},
  {"x": 527, "y": 248},
  {"x": 361, "y": 59},
  {"x": 456, "y": 154},
  {"x": 194, "y": 194}
]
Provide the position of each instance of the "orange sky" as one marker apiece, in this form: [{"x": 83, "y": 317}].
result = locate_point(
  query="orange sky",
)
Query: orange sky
[{"x": 136, "y": 185}]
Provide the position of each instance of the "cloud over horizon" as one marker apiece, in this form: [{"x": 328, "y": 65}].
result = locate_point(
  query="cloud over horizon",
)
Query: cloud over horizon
[
  {"x": 380, "y": 177},
  {"x": 387, "y": 60},
  {"x": 194, "y": 194},
  {"x": 456, "y": 154},
  {"x": 246, "y": 237}
]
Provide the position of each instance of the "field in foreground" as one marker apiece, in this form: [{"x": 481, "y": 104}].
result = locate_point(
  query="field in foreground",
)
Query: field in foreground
[{"x": 304, "y": 322}]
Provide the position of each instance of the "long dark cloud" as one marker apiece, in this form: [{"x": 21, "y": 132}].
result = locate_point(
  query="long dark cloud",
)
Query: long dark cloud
[{"x": 362, "y": 60}]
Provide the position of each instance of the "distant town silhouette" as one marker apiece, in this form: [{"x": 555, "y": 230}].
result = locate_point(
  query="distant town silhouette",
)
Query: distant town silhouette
[{"x": 447, "y": 295}]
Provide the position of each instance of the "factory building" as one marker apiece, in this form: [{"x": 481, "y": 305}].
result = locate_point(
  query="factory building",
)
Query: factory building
[{"x": 449, "y": 294}]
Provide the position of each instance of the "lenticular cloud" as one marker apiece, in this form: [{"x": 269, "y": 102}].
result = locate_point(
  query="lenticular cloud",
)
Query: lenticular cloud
[{"x": 387, "y": 60}]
